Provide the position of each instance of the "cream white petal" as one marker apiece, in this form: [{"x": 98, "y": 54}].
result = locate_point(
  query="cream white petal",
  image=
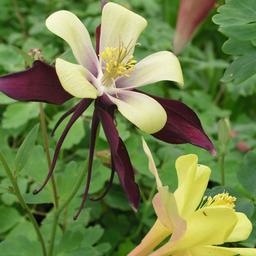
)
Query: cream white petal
[
  {"x": 143, "y": 111},
  {"x": 157, "y": 67},
  {"x": 242, "y": 229},
  {"x": 75, "y": 79},
  {"x": 67, "y": 26},
  {"x": 120, "y": 27}
]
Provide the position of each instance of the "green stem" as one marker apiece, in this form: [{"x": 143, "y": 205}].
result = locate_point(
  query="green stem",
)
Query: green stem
[
  {"x": 222, "y": 168},
  {"x": 59, "y": 211},
  {"x": 47, "y": 152},
  {"x": 23, "y": 203},
  {"x": 19, "y": 17}
]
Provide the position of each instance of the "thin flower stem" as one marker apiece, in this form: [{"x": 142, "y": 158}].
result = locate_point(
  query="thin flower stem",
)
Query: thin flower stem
[
  {"x": 47, "y": 152},
  {"x": 53, "y": 233},
  {"x": 222, "y": 168},
  {"x": 60, "y": 210},
  {"x": 19, "y": 17},
  {"x": 22, "y": 202}
]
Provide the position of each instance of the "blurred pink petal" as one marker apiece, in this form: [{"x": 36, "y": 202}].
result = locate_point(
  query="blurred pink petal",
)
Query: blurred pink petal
[
  {"x": 191, "y": 15},
  {"x": 103, "y": 2}
]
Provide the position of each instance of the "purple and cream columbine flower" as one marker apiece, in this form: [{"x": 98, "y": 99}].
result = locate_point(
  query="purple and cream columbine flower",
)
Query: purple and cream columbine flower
[{"x": 109, "y": 76}]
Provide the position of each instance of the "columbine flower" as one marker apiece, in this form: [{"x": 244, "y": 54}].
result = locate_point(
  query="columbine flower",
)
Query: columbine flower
[
  {"x": 109, "y": 77},
  {"x": 195, "y": 225}
]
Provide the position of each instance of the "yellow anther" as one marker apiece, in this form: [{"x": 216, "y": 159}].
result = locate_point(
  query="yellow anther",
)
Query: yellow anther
[
  {"x": 117, "y": 63},
  {"x": 221, "y": 199}
]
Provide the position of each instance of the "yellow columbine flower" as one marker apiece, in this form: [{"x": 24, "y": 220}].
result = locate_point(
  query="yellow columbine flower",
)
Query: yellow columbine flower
[{"x": 194, "y": 225}]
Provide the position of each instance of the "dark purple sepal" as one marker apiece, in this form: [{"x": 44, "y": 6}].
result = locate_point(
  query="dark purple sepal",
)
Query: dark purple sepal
[
  {"x": 81, "y": 107},
  {"x": 63, "y": 117},
  {"x": 98, "y": 32},
  {"x": 94, "y": 129},
  {"x": 120, "y": 159},
  {"x": 182, "y": 126},
  {"x": 38, "y": 83}
]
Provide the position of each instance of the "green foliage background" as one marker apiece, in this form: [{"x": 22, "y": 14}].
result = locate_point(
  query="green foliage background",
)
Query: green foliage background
[{"x": 110, "y": 227}]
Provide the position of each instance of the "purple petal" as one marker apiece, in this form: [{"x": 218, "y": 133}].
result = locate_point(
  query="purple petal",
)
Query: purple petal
[
  {"x": 120, "y": 159},
  {"x": 39, "y": 83},
  {"x": 84, "y": 104},
  {"x": 98, "y": 31},
  {"x": 63, "y": 117},
  {"x": 191, "y": 14},
  {"x": 182, "y": 126},
  {"x": 94, "y": 129}
]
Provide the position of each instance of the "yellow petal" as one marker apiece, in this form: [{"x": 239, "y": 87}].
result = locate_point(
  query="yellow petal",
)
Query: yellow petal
[
  {"x": 120, "y": 27},
  {"x": 74, "y": 79},
  {"x": 242, "y": 229},
  {"x": 67, "y": 26},
  {"x": 143, "y": 111},
  {"x": 192, "y": 183},
  {"x": 151, "y": 163},
  {"x": 157, "y": 67},
  {"x": 207, "y": 226},
  {"x": 152, "y": 239},
  {"x": 221, "y": 251}
]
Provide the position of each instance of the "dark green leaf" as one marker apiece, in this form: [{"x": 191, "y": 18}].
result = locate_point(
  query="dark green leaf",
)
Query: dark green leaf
[{"x": 24, "y": 151}]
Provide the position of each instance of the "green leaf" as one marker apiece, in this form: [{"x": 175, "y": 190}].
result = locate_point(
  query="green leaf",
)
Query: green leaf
[
  {"x": 237, "y": 20},
  {"x": 21, "y": 246},
  {"x": 24, "y": 228},
  {"x": 83, "y": 241},
  {"x": 116, "y": 199},
  {"x": 241, "y": 69},
  {"x": 18, "y": 114},
  {"x": 93, "y": 234},
  {"x": 24, "y": 152},
  {"x": 247, "y": 173},
  {"x": 9, "y": 59},
  {"x": 9, "y": 217},
  {"x": 75, "y": 135},
  {"x": 5, "y": 100},
  {"x": 125, "y": 247}
]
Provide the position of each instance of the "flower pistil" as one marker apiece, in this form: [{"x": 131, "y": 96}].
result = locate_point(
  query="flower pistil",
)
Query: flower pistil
[{"x": 221, "y": 199}]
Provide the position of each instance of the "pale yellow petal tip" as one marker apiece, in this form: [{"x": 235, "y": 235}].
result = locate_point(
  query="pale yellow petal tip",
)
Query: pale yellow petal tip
[
  {"x": 160, "y": 125},
  {"x": 190, "y": 159},
  {"x": 109, "y": 7},
  {"x": 73, "y": 78},
  {"x": 152, "y": 166},
  {"x": 180, "y": 80},
  {"x": 54, "y": 17}
]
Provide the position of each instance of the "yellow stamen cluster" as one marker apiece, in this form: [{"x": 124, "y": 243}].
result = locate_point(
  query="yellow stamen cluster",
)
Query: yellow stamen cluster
[
  {"x": 221, "y": 199},
  {"x": 117, "y": 64}
]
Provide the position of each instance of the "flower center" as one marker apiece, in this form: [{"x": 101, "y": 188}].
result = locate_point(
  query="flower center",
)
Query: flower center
[
  {"x": 117, "y": 63},
  {"x": 221, "y": 199}
]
